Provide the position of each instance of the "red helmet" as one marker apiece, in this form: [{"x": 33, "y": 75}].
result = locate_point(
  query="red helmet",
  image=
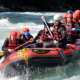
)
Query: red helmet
[
  {"x": 14, "y": 33},
  {"x": 25, "y": 30},
  {"x": 75, "y": 16},
  {"x": 77, "y": 12},
  {"x": 69, "y": 16},
  {"x": 64, "y": 15}
]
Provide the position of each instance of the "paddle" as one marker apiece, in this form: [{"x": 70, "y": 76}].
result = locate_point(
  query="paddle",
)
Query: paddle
[
  {"x": 16, "y": 48},
  {"x": 33, "y": 43},
  {"x": 30, "y": 44},
  {"x": 18, "y": 36},
  {"x": 61, "y": 54},
  {"x": 75, "y": 29}
]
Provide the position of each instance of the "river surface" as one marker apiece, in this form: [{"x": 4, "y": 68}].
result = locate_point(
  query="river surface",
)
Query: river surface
[{"x": 10, "y": 21}]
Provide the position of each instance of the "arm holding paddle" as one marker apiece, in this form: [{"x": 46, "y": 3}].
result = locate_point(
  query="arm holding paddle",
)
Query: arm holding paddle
[
  {"x": 61, "y": 54},
  {"x": 49, "y": 24}
]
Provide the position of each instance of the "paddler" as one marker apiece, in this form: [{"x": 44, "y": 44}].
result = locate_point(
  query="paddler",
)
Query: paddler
[
  {"x": 42, "y": 36},
  {"x": 59, "y": 33},
  {"x": 27, "y": 36},
  {"x": 71, "y": 34},
  {"x": 11, "y": 42}
]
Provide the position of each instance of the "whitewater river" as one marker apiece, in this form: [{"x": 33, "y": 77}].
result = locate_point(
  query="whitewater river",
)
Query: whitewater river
[{"x": 10, "y": 21}]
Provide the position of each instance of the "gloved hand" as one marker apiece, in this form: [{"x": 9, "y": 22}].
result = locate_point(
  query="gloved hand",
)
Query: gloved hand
[
  {"x": 31, "y": 40},
  {"x": 41, "y": 41}
]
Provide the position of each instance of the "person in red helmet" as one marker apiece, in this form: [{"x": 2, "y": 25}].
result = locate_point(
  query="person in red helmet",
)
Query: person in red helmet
[
  {"x": 71, "y": 34},
  {"x": 75, "y": 20},
  {"x": 11, "y": 42},
  {"x": 64, "y": 16}
]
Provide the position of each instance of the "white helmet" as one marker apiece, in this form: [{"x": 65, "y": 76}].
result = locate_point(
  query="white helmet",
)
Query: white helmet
[{"x": 57, "y": 17}]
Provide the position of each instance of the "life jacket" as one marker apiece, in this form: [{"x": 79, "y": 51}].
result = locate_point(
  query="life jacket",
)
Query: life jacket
[
  {"x": 13, "y": 45},
  {"x": 44, "y": 35},
  {"x": 57, "y": 35},
  {"x": 70, "y": 32}
]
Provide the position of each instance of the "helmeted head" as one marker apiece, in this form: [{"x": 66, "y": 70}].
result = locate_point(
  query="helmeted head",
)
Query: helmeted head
[
  {"x": 64, "y": 16},
  {"x": 69, "y": 12},
  {"x": 13, "y": 35},
  {"x": 26, "y": 34},
  {"x": 77, "y": 12},
  {"x": 45, "y": 28},
  {"x": 69, "y": 17},
  {"x": 25, "y": 30},
  {"x": 57, "y": 19},
  {"x": 75, "y": 17}
]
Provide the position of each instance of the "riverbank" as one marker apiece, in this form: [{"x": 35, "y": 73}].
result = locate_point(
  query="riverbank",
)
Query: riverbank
[{"x": 38, "y": 5}]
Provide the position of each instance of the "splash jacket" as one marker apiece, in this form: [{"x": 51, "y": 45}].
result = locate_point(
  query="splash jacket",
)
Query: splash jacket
[{"x": 9, "y": 45}]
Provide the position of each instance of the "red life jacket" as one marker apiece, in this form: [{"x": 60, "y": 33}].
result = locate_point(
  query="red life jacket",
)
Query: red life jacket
[
  {"x": 13, "y": 45},
  {"x": 44, "y": 35},
  {"x": 70, "y": 32},
  {"x": 57, "y": 35}
]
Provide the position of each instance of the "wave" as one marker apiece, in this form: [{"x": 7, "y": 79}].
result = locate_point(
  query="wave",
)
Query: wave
[{"x": 73, "y": 78}]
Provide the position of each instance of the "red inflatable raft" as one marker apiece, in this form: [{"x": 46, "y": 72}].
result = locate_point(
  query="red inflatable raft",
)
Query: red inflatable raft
[{"x": 40, "y": 57}]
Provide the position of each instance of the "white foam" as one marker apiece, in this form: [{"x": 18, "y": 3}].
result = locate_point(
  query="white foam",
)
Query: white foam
[
  {"x": 73, "y": 78},
  {"x": 42, "y": 13}
]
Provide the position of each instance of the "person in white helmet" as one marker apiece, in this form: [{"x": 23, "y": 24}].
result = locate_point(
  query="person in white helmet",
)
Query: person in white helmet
[{"x": 59, "y": 33}]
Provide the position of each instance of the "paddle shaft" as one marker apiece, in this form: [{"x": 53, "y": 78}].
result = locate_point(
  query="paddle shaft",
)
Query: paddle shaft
[
  {"x": 75, "y": 29},
  {"x": 60, "y": 52},
  {"x": 34, "y": 43}
]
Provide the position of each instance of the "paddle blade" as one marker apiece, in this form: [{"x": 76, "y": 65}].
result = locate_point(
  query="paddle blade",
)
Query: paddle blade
[
  {"x": 62, "y": 56},
  {"x": 1, "y": 53}
]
